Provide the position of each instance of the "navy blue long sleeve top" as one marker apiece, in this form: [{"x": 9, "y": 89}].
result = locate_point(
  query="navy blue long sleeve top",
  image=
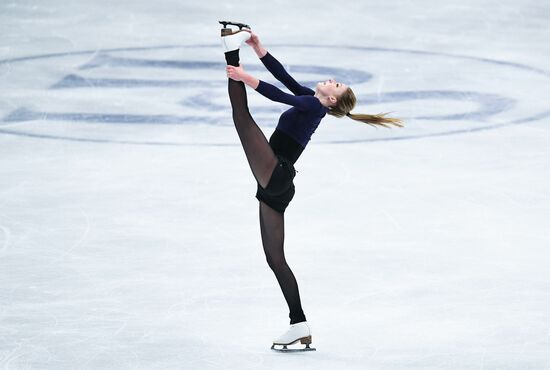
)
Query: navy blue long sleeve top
[{"x": 300, "y": 121}]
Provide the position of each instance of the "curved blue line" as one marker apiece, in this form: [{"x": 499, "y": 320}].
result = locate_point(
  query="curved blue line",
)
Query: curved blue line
[
  {"x": 448, "y": 133},
  {"x": 345, "y": 47},
  {"x": 83, "y": 52},
  {"x": 374, "y": 49},
  {"x": 490, "y": 104},
  {"x": 421, "y": 52},
  {"x": 410, "y": 137}
]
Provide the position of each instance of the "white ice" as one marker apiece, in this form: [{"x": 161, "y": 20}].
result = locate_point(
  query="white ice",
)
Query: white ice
[{"x": 129, "y": 235}]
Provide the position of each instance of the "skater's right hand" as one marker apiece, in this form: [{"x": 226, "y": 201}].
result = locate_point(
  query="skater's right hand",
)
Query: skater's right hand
[
  {"x": 235, "y": 73},
  {"x": 238, "y": 74}
]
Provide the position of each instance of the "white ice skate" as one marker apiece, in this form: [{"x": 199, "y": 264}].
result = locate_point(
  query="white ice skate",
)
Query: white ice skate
[
  {"x": 297, "y": 332},
  {"x": 233, "y": 39}
]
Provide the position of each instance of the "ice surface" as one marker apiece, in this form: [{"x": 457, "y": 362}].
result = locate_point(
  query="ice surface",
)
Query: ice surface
[{"x": 129, "y": 234}]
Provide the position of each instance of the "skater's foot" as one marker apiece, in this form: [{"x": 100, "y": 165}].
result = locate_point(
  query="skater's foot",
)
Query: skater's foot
[
  {"x": 233, "y": 39},
  {"x": 297, "y": 332}
]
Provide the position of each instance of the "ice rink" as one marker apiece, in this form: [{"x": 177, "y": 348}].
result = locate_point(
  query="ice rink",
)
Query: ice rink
[{"x": 129, "y": 233}]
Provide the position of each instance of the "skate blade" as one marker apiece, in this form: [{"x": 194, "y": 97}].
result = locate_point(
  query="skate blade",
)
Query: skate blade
[
  {"x": 286, "y": 349},
  {"x": 240, "y": 25}
]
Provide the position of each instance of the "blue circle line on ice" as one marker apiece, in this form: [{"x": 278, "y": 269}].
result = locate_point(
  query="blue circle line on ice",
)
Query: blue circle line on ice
[
  {"x": 489, "y": 103},
  {"x": 349, "y": 47}
]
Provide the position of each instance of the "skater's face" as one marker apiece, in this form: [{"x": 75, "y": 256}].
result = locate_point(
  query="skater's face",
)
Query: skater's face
[{"x": 331, "y": 89}]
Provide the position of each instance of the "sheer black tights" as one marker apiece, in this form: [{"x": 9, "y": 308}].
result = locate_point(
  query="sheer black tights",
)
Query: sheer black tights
[
  {"x": 262, "y": 161},
  {"x": 272, "y": 225},
  {"x": 259, "y": 154}
]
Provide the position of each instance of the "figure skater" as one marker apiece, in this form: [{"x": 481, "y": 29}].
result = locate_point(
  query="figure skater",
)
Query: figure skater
[{"x": 272, "y": 163}]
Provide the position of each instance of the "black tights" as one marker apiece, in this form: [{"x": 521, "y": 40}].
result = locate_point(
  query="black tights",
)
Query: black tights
[{"x": 262, "y": 161}]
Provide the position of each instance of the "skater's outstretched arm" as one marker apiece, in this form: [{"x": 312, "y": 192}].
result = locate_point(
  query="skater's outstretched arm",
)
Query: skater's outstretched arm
[
  {"x": 303, "y": 102},
  {"x": 276, "y": 68}
]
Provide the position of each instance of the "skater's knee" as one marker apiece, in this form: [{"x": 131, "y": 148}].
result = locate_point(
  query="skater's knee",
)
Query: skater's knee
[{"x": 276, "y": 263}]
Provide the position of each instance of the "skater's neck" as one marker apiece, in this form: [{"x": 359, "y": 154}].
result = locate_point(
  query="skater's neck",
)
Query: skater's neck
[{"x": 325, "y": 100}]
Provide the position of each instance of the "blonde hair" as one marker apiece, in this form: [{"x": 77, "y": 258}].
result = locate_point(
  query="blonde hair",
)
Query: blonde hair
[{"x": 346, "y": 102}]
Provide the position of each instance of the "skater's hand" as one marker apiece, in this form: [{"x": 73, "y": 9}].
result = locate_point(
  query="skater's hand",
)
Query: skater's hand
[
  {"x": 235, "y": 73},
  {"x": 238, "y": 74},
  {"x": 253, "y": 41}
]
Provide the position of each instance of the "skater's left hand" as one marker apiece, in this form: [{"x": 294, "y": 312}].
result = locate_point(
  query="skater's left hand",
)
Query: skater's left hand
[
  {"x": 235, "y": 73},
  {"x": 253, "y": 41}
]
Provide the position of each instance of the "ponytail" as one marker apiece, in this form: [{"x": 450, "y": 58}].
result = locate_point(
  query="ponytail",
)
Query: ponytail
[
  {"x": 346, "y": 102},
  {"x": 376, "y": 119}
]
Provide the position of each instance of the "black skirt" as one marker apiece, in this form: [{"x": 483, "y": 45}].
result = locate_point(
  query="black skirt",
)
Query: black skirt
[{"x": 280, "y": 190}]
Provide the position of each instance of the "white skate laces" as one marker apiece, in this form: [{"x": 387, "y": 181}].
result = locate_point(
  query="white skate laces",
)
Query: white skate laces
[
  {"x": 233, "y": 39},
  {"x": 297, "y": 332}
]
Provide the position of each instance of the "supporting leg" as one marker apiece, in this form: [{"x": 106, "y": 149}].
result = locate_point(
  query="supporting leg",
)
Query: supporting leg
[{"x": 273, "y": 233}]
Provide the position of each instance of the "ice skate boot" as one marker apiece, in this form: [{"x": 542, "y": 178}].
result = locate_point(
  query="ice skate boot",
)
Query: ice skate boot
[
  {"x": 297, "y": 332},
  {"x": 233, "y": 39}
]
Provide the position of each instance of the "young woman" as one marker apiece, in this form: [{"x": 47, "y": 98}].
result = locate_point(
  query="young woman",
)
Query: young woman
[{"x": 272, "y": 163}]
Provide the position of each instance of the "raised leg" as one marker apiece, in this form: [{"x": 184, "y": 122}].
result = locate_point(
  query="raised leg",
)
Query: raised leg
[
  {"x": 260, "y": 156},
  {"x": 272, "y": 227}
]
